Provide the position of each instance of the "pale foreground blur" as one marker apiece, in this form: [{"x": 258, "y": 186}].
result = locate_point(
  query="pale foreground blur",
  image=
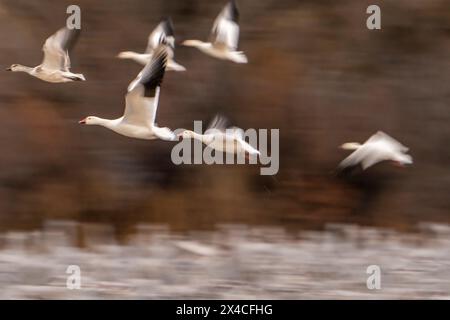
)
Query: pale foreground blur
[{"x": 234, "y": 262}]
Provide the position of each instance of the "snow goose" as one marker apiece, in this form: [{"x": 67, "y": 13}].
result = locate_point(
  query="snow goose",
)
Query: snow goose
[
  {"x": 217, "y": 137},
  {"x": 379, "y": 147},
  {"x": 56, "y": 64},
  {"x": 141, "y": 103},
  {"x": 164, "y": 34},
  {"x": 224, "y": 37}
]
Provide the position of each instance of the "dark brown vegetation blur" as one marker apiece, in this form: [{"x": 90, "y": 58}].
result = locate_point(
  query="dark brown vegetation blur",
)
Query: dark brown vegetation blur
[{"x": 316, "y": 73}]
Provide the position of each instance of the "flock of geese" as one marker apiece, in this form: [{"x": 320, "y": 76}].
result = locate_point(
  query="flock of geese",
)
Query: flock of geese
[{"x": 142, "y": 98}]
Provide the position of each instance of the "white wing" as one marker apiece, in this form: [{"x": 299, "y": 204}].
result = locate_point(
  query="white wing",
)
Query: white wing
[
  {"x": 56, "y": 49},
  {"x": 140, "y": 111},
  {"x": 373, "y": 158},
  {"x": 381, "y": 137},
  {"x": 235, "y": 132},
  {"x": 369, "y": 154},
  {"x": 354, "y": 158},
  {"x": 379, "y": 147},
  {"x": 219, "y": 125},
  {"x": 225, "y": 31},
  {"x": 143, "y": 92}
]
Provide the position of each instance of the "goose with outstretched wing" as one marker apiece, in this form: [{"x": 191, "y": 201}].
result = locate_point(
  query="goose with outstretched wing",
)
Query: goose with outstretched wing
[
  {"x": 162, "y": 34},
  {"x": 221, "y": 138},
  {"x": 55, "y": 66},
  {"x": 224, "y": 37},
  {"x": 379, "y": 147},
  {"x": 141, "y": 103}
]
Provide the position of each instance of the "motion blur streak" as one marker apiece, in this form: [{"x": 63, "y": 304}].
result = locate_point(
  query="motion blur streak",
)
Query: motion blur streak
[
  {"x": 315, "y": 72},
  {"x": 233, "y": 262}
]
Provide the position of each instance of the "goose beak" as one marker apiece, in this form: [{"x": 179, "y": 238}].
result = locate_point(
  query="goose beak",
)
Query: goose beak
[
  {"x": 82, "y": 121},
  {"x": 8, "y": 69}
]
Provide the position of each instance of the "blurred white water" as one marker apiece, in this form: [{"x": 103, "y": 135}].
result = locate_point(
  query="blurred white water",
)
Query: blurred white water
[{"x": 233, "y": 262}]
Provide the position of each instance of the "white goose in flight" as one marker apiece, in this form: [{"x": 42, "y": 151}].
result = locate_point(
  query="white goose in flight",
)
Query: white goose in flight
[
  {"x": 217, "y": 137},
  {"x": 141, "y": 103},
  {"x": 56, "y": 64},
  {"x": 162, "y": 34},
  {"x": 379, "y": 147},
  {"x": 224, "y": 37}
]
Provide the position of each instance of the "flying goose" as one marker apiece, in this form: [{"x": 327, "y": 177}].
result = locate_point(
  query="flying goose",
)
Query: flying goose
[
  {"x": 379, "y": 147},
  {"x": 224, "y": 37},
  {"x": 163, "y": 33},
  {"x": 220, "y": 138},
  {"x": 141, "y": 103},
  {"x": 56, "y": 64}
]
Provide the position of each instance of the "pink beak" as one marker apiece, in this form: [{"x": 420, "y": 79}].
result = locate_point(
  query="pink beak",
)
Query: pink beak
[{"x": 82, "y": 121}]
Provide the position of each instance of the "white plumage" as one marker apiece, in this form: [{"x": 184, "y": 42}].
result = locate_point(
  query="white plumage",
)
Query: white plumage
[
  {"x": 217, "y": 137},
  {"x": 379, "y": 147},
  {"x": 55, "y": 66},
  {"x": 224, "y": 37},
  {"x": 141, "y": 103},
  {"x": 162, "y": 34}
]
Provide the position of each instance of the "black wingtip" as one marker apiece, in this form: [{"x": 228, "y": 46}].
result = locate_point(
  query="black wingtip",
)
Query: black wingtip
[
  {"x": 71, "y": 38},
  {"x": 219, "y": 121},
  {"x": 160, "y": 54},
  {"x": 167, "y": 25},
  {"x": 153, "y": 73},
  {"x": 232, "y": 11}
]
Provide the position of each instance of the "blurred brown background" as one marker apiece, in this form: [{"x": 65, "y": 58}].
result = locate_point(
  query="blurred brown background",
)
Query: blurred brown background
[{"x": 316, "y": 73}]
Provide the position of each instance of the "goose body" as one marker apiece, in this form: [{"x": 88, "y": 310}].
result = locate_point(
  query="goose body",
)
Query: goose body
[
  {"x": 55, "y": 67},
  {"x": 224, "y": 37},
  {"x": 141, "y": 103},
  {"x": 379, "y": 147},
  {"x": 229, "y": 140},
  {"x": 162, "y": 34}
]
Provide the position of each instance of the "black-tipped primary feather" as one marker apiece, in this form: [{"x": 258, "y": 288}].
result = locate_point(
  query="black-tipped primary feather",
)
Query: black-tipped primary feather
[
  {"x": 219, "y": 122},
  {"x": 162, "y": 34},
  {"x": 167, "y": 26},
  {"x": 153, "y": 73},
  {"x": 225, "y": 31},
  {"x": 231, "y": 12},
  {"x": 167, "y": 36},
  {"x": 69, "y": 39},
  {"x": 143, "y": 92}
]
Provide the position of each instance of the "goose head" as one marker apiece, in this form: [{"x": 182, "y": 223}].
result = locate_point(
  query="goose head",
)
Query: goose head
[
  {"x": 15, "y": 68},
  {"x": 186, "y": 134},
  {"x": 193, "y": 43},
  {"x": 350, "y": 146},
  {"x": 91, "y": 120},
  {"x": 126, "y": 55}
]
